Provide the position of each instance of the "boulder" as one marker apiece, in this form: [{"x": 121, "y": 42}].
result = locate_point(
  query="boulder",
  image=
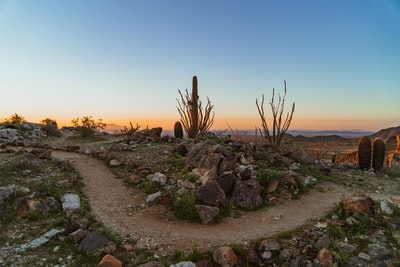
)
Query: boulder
[
  {"x": 204, "y": 159},
  {"x": 211, "y": 194},
  {"x": 227, "y": 182},
  {"x": 228, "y": 163},
  {"x": 96, "y": 243},
  {"x": 206, "y": 213},
  {"x": 359, "y": 203},
  {"x": 247, "y": 194}
]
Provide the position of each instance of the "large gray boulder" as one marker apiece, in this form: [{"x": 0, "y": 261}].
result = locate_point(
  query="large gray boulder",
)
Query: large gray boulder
[{"x": 247, "y": 194}]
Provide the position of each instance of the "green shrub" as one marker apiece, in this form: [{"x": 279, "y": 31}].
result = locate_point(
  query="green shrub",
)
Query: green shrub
[
  {"x": 265, "y": 175},
  {"x": 183, "y": 206}
]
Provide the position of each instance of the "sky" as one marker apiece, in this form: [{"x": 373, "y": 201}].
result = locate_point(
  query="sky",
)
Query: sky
[{"x": 124, "y": 61}]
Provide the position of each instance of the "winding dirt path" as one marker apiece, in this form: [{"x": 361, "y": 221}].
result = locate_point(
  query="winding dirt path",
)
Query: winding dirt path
[{"x": 121, "y": 209}]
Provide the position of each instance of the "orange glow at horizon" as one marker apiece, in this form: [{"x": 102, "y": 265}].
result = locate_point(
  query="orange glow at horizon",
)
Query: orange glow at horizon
[{"x": 248, "y": 123}]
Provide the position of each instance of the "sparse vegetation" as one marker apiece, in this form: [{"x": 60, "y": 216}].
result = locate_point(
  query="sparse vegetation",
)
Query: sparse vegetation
[
  {"x": 15, "y": 119},
  {"x": 183, "y": 206},
  {"x": 51, "y": 127},
  {"x": 193, "y": 118},
  {"x": 87, "y": 126},
  {"x": 130, "y": 132},
  {"x": 279, "y": 126}
]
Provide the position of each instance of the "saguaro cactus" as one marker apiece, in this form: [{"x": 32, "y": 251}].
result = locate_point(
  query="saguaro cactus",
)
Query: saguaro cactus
[
  {"x": 364, "y": 153},
  {"x": 178, "y": 131},
  {"x": 194, "y": 120},
  {"x": 378, "y": 154}
]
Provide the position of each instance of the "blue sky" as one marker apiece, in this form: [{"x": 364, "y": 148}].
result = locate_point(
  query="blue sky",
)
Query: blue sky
[{"x": 125, "y": 60}]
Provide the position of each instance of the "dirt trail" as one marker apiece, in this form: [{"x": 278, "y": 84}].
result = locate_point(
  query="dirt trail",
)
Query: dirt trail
[{"x": 120, "y": 208}]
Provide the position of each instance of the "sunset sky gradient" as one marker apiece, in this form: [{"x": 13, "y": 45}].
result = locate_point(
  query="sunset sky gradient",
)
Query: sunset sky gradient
[{"x": 124, "y": 61}]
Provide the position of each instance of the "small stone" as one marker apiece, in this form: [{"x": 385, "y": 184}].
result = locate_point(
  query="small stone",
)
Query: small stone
[
  {"x": 158, "y": 178},
  {"x": 187, "y": 184},
  {"x": 153, "y": 197},
  {"x": 270, "y": 244},
  {"x": 134, "y": 179},
  {"x": 70, "y": 202},
  {"x": 22, "y": 210},
  {"x": 183, "y": 264},
  {"x": 225, "y": 256},
  {"x": 207, "y": 213},
  {"x": 364, "y": 256},
  {"x": 273, "y": 185},
  {"x": 109, "y": 261},
  {"x": 266, "y": 255},
  {"x": 96, "y": 243},
  {"x": 285, "y": 254},
  {"x": 79, "y": 235},
  {"x": 325, "y": 258},
  {"x": 115, "y": 163}
]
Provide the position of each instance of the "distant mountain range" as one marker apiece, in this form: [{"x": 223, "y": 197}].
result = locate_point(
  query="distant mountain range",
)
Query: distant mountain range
[
  {"x": 309, "y": 135},
  {"x": 315, "y": 133}
]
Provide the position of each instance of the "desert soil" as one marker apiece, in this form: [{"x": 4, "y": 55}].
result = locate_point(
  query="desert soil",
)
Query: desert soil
[{"x": 124, "y": 210}]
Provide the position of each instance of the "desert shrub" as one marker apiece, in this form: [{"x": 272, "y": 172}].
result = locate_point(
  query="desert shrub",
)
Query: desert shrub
[
  {"x": 51, "y": 127},
  {"x": 279, "y": 126},
  {"x": 184, "y": 206},
  {"x": 130, "y": 133},
  {"x": 87, "y": 126},
  {"x": 15, "y": 119},
  {"x": 265, "y": 175}
]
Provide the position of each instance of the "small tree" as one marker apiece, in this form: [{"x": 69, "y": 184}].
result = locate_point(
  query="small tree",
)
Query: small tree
[
  {"x": 279, "y": 126},
  {"x": 193, "y": 118},
  {"x": 50, "y": 127},
  {"x": 87, "y": 126},
  {"x": 15, "y": 119}
]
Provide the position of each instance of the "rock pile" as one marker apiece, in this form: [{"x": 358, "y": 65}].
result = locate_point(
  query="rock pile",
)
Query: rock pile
[{"x": 27, "y": 134}]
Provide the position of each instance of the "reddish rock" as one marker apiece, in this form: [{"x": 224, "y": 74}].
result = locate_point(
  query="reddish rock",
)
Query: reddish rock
[
  {"x": 225, "y": 256},
  {"x": 109, "y": 261},
  {"x": 359, "y": 203},
  {"x": 22, "y": 210},
  {"x": 134, "y": 179},
  {"x": 325, "y": 258},
  {"x": 272, "y": 185}
]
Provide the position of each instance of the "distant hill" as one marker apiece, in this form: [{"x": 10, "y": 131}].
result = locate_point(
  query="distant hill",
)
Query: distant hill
[
  {"x": 342, "y": 133},
  {"x": 323, "y": 138},
  {"x": 384, "y": 134}
]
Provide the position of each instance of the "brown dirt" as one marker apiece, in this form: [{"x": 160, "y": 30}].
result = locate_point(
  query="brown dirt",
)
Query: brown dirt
[
  {"x": 124, "y": 210},
  {"x": 121, "y": 209}
]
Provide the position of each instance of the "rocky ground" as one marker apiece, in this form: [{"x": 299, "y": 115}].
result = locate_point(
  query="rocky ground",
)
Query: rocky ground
[{"x": 157, "y": 201}]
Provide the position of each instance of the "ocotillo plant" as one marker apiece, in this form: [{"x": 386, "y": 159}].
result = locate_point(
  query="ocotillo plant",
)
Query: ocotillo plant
[
  {"x": 178, "y": 131},
  {"x": 278, "y": 129},
  {"x": 193, "y": 119},
  {"x": 378, "y": 154},
  {"x": 364, "y": 153}
]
